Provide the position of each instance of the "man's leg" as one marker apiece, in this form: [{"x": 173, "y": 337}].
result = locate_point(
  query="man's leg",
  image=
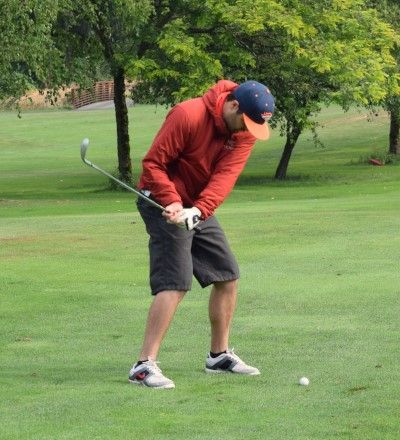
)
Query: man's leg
[
  {"x": 160, "y": 315},
  {"x": 162, "y": 310},
  {"x": 171, "y": 273},
  {"x": 221, "y": 308}
]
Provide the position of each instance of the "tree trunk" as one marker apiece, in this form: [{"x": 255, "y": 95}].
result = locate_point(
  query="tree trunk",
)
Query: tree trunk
[
  {"x": 291, "y": 138},
  {"x": 394, "y": 137},
  {"x": 121, "y": 116}
]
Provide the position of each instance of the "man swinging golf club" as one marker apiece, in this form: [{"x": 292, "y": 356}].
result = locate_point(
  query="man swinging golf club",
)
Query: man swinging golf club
[{"x": 190, "y": 169}]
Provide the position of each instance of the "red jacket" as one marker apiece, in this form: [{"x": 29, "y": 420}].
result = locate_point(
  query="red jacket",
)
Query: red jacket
[{"x": 194, "y": 159}]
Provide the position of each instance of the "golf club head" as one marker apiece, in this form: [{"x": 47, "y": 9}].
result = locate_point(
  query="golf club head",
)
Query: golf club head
[{"x": 84, "y": 147}]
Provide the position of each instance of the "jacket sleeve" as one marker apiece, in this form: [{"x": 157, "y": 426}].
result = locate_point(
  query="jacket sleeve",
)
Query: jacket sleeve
[
  {"x": 166, "y": 148},
  {"x": 224, "y": 177}
]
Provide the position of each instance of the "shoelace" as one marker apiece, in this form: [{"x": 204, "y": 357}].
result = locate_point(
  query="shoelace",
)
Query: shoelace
[
  {"x": 231, "y": 353},
  {"x": 153, "y": 367}
]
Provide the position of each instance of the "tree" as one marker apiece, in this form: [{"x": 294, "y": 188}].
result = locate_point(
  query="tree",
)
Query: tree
[
  {"x": 393, "y": 106},
  {"x": 309, "y": 52},
  {"x": 390, "y": 11},
  {"x": 178, "y": 56},
  {"x": 90, "y": 33},
  {"x": 26, "y": 46},
  {"x": 318, "y": 52}
]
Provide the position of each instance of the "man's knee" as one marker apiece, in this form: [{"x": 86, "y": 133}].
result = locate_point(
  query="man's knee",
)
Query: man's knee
[
  {"x": 170, "y": 295},
  {"x": 227, "y": 286}
]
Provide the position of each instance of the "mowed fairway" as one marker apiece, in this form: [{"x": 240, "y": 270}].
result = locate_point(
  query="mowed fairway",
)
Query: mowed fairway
[{"x": 319, "y": 291}]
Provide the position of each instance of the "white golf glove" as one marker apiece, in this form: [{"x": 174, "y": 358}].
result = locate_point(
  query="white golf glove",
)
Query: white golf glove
[{"x": 189, "y": 218}]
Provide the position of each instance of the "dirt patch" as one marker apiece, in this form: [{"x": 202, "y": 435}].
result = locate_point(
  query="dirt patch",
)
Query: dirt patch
[{"x": 37, "y": 100}]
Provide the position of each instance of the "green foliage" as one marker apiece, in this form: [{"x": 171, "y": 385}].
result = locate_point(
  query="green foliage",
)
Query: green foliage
[
  {"x": 93, "y": 31},
  {"x": 331, "y": 51},
  {"x": 389, "y": 10},
  {"x": 175, "y": 59},
  {"x": 307, "y": 52},
  {"x": 27, "y": 51},
  {"x": 192, "y": 68},
  {"x": 198, "y": 66},
  {"x": 344, "y": 46},
  {"x": 49, "y": 44}
]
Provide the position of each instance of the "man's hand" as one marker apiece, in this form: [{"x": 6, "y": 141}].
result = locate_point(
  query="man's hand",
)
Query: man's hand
[
  {"x": 173, "y": 212},
  {"x": 189, "y": 218}
]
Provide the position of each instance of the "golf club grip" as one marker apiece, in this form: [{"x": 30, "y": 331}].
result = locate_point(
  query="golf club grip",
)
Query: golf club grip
[{"x": 196, "y": 219}]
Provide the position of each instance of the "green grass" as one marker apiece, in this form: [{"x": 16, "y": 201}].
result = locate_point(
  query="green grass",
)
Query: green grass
[{"x": 319, "y": 291}]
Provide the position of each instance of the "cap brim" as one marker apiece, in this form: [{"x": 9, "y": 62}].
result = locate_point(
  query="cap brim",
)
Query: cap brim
[{"x": 259, "y": 131}]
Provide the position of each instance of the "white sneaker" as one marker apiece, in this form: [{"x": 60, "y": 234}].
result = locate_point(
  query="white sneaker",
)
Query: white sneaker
[
  {"x": 229, "y": 362},
  {"x": 149, "y": 374}
]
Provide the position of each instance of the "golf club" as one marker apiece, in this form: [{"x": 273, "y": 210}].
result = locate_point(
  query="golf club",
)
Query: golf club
[{"x": 84, "y": 148}]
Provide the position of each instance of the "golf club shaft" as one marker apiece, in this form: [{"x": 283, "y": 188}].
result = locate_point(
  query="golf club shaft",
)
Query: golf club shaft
[
  {"x": 123, "y": 184},
  {"x": 84, "y": 147}
]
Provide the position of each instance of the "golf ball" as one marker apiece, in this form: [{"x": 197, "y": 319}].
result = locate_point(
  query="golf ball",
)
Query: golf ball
[{"x": 304, "y": 381}]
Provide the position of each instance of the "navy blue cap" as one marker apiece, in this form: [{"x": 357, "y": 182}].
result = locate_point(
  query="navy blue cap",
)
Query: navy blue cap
[{"x": 257, "y": 105}]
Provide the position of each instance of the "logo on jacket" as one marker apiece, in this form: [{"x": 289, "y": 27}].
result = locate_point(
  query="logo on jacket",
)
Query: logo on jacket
[{"x": 230, "y": 144}]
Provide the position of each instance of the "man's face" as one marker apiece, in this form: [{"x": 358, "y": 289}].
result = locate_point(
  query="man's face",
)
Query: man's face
[{"x": 233, "y": 119}]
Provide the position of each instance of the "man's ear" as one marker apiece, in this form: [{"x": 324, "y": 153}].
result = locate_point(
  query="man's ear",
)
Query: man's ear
[{"x": 233, "y": 105}]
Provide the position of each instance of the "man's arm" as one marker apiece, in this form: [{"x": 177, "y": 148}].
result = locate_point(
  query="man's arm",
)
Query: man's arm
[
  {"x": 167, "y": 145},
  {"x": 224, "y": 177}
]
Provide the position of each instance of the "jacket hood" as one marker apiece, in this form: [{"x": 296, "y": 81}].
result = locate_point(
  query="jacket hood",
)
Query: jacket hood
[{"x": 214, "y": 100}]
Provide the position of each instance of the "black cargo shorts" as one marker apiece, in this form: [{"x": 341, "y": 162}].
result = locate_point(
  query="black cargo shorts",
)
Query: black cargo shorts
[{"x": 177, "y": 254}]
